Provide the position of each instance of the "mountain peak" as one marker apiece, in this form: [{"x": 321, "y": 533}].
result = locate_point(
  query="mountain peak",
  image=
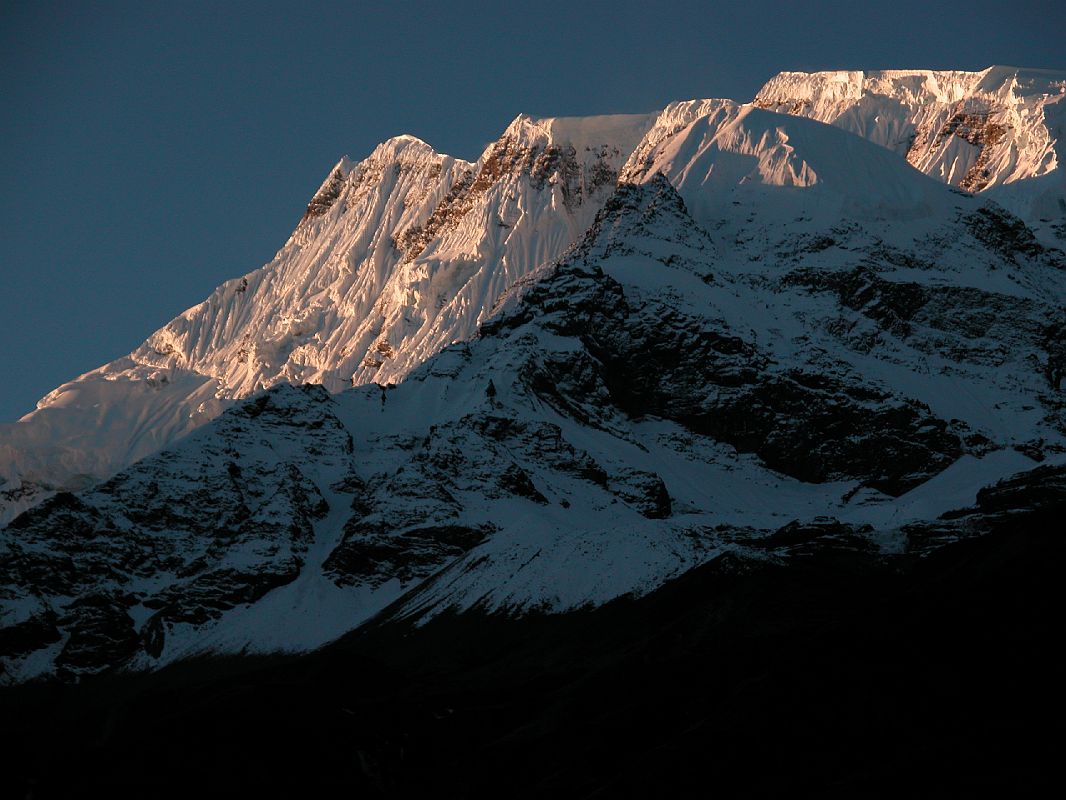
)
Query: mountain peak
[
  {"x": 623, "y": 131},
  {"x": 403, "y": 145}
]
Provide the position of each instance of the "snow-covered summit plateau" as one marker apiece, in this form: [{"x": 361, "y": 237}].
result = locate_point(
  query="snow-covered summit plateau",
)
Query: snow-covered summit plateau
[{"x": 610, "y": 350}]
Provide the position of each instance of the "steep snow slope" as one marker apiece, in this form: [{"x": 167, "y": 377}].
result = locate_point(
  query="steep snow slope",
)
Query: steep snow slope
[
  {"x": 530, "y": 196},
  {"x": 734, "y": 149},
  {"x": 991, "y": 130},
  {"x": 670, "y": 390},
  {"x": 396, "y": 257}
]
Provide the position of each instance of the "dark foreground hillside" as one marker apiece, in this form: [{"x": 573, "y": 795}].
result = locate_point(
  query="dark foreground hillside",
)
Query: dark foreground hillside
[{"x": 833, "y": 671}]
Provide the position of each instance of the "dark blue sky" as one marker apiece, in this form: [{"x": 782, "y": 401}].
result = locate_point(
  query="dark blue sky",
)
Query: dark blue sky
[{"x": 152, "y": 150}]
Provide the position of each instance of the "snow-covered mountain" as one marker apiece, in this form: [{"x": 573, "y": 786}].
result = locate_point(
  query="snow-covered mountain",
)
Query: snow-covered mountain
[
  {"x": 396, "y": 257},
  {"x": 773, "y": 335},
  {"x": 1001, "y": 130},
  {"x": 408, "y": 251}
]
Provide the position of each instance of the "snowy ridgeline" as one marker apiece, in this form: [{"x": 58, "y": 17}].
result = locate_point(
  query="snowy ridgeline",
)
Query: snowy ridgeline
[
  {"x": 409, "y": 250},
  {"x": 998, "y": 131},
  {"x": 775, "y": 336}
]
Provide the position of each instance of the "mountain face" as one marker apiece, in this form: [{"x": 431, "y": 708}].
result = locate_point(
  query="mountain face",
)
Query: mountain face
[
  {"x": 1000, "y": 131},
  {"x": 772, "y": 338},
  {"x": 408, "y": 251},
  {"x": 396, "y": 257}
]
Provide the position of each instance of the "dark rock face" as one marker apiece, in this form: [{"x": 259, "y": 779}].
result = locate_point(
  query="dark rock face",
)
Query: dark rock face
[
  {"x": 819, "y": 536},
  {"x": 976, "y": 129},
  {"x": 1038, "y": 495},
  {"x": 644, "y": 358},
  {"x": 645, "y": 491},
  {"x": 1004, "y": 233},
  {"x": 891, "y": 305},
  {"x": 968, "y": 327},
  {"x": 31, "y": 634},
  {"x": 325, "y": 198},
  {"x": 373, "y": 555},
  {"x": 407, "y": 525},
  {"x": 967, "y": 324},
  {"x": 211, "y": 592},
  {"x": 833, "y": 431},
  {"x": 184, "y": 536},
  {"x": 102, "y": 634},
  {"x": 1055, "y": 345},
  {"x": 515, "y": 480},
  {"x": 1041, "y": 488}
]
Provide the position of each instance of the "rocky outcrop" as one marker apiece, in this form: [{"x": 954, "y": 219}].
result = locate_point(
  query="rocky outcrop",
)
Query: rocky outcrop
[
  {"x": 407, "y": 524},
  {"x": 323, "y": 200},
  {"x": 180, "y": 538},
  {"x": 1009, "y": 236}
]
